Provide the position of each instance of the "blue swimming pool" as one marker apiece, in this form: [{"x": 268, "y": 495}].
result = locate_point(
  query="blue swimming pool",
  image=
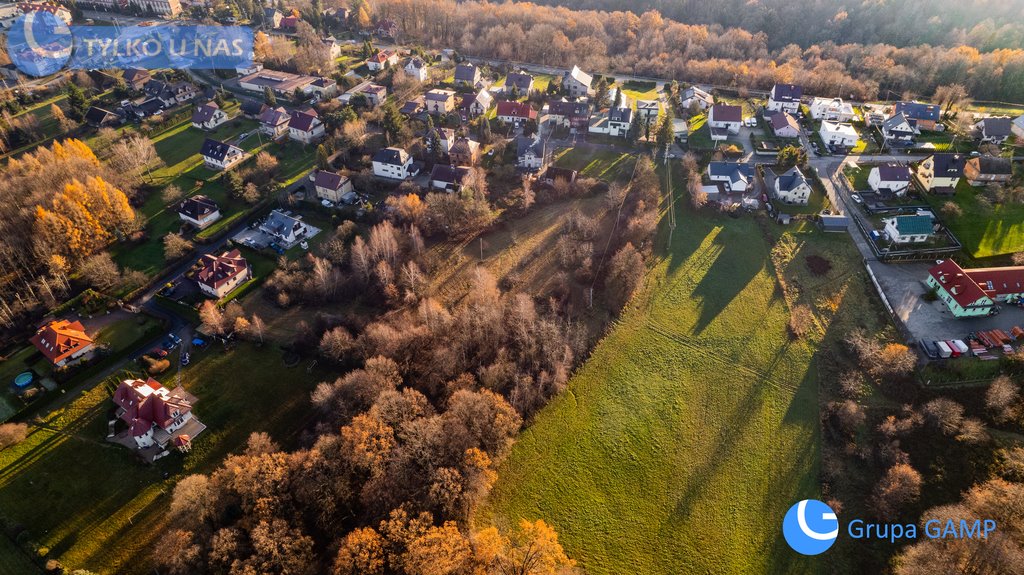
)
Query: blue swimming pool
[{"x": 24, "y": 379}]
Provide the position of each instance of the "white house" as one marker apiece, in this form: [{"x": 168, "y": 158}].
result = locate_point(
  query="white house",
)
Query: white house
[
  {"x": 381, "y": 60},
  {"x": 208, "y": 116},
  {"x": 305, "y": 126},
  {"x": 284, "y": 228},
  {"x": 908, "y": 229},
  {"x": 532, "y": 154},
  {"x": 392, "y": 163},
  {"x": 274, "y": 122},
  {"x": 576, "y": 83},
  {"x": 615, "y": 123},
  {"x": 784, "y": 125},
  {"x": 832, "y": 109},
  {"x": 155, "y": 415},
  {"x": 785, "y": 98},
  {"x": 474, "y": 105},
  {"x": 890, "y": 178},
  {"x": 940, "y": 173},
  {"x": 199, "y": 210},
  {"x": 649, "y": 110},
  {"x": 221, "y": 274},
  {"x": 899, "y": 131},
  {"x": 838, "y": 134},
  {"x": 995, "y": 130},
  {"x": 515, "y": 113},
  {"x": 417, "y": 68},
  {"x": 694, "y": 96},
  {"x": 734, "y": 177},
  {"x": 724, "y": 119},
  {"x": 333, "y": 187},
  {"x": 220, "y": 155},
  {"x": 792, "y": 187},
  {"x": 447, "y": 178}
]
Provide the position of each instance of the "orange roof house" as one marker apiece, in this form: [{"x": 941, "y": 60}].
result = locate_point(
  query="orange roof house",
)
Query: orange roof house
[{"x": 62, "y": 341}]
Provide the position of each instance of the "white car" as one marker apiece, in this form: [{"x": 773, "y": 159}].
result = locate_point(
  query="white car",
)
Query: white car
[{"x": 857, "y": 198}]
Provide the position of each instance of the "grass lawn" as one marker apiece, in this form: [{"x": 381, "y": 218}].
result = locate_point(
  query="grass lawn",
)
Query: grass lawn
[
  {"x": 109, "y": 518},
  {"x": 943, "y": 142},
  {"x": 14, "y": 560},
  {"x": 640, "y": 90},
  {"x": 680, "y": 444},
  {"x": 983, "y": 231},
  {"x": 858, "y": 177},
  {"x": 605, "y": 164},
  {"x": 21, "y": 360}
]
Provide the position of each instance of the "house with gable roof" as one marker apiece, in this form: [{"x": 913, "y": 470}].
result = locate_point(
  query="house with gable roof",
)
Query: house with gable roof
[
  {"x": 221, "y": 274},
  {"x": 62, "y": 342},
  {"x": 785, "y": 98},
  {"x": 156, "y": 416}
]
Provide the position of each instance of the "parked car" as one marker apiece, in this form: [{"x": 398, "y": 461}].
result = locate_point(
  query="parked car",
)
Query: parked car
[
  {"x": 185, "y": 358},
  {"x": 158, "y": 352},
  {"x": 857, "y": 198}
]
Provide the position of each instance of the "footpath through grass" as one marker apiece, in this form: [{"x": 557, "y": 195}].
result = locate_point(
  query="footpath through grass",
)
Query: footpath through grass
[{"x": 681, "y": 443}]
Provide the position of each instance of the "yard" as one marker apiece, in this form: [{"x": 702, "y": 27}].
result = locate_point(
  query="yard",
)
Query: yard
[
  {"x": 637, "y": 90},
  {"x": 858, "y": 177},
  {"x": 694, "y": 424},
  {"x": 984, "y": 229},
  {"x": 114, "y": 511},
  {"x": 601, "y": 163}
]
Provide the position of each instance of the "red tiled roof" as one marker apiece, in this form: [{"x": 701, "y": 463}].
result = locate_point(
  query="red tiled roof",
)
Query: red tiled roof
[
  {"x": 61, "y": 339},
  {"x": 147, "y": 403},
  {"x": 957, "y": 282},
  {"x": 516, "y": 109},
  {"x": 219, "y": 270}
]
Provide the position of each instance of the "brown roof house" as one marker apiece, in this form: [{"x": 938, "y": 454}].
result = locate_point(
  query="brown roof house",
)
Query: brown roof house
[
  {"x": 333, "y": 187},
  {"x": 200, "y": 211},
  {"x": 208, "y": 116},
  {"x": 63, "y": 342},
  {"x": 221, "y": 274},
  {"x": 463, "y": 152},
  {"x": 985, "y": 170}
]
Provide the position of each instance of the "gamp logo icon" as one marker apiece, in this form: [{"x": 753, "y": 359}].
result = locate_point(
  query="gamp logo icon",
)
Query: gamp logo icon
[
  {"x": 39, "y": 43},
  {"x": 810, "y": 527}
]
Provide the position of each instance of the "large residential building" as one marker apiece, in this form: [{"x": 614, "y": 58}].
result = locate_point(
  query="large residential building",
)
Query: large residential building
[
  {"x": 155, "y": 415},
  {"x": 199, "y": 210},
  {"x": 974, "y": 292},
  {"x": 220, "y": 155},
  {"x": 576, "y": 83},
  {"x": 985, "y": 170},
  {"x": 282, "y": 83},
  {"x": 838, "y": 134},
  {"x": 392, "y": 163},
  {"x": 940, "y": 173},
  {"x": 832, "y": 109},
  {"x": 221, "y": 274},
  {"x": 62, "y": 342},
  {"x": 785, "y": 98},
  {"x": 615, "y": 122}
]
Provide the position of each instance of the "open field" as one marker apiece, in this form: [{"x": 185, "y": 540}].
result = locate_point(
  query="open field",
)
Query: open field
[
  {"x": 604, "y": 164},
  {"x": 694, "y": 425},
  {"x": 984, "y": 231},
  {"x": 113, "y": 513}
]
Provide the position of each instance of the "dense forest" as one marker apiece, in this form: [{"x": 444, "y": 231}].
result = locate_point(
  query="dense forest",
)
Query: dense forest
[
  {"x": 984, "y": 24},
  {"x": 650, "y": 44}
]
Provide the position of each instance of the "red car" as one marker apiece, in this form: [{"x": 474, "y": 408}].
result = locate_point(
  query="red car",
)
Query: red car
[{"x": 159, "y": 352}]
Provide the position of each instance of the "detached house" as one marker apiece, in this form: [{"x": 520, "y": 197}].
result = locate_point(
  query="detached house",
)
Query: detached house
[
  {"x": 445, "y": 137},
  {"x": 837, "y": 134},
  {"x": 221, "y": 274},
  {"x": 785, "y": 98},
  {"x": 940, "y": 173},
  {"x": 648, "y": 110},
  {"x": 924, "y": 116},
  {"x": 1017, "y": 126},
  {"x": 155, "y": 415},
  {"x": 375, "y": 94},
  {"x": 305, "y": 126},
  {"x": 890, "y": 179},
  {"x": 576, "y": 83},
  {"x": 994, "y": 130},
  {"x": 985, "y": 170},
  {"x": 333, "y": 187},
  {"x": 724, "y": 120},
  {"x": 791, "y": 186},
  {"x": 694, "y": 96},
  {"x": 463, "y": 152},
  {"x": 252, "y": 109},
  {"x": 137, "y": 78},
  {"x": 519, "y": 83},
  {"x": 417, "y": 68},
  {"x": 220, "y": 155},
  {"x": 784, "y": 125},
  {"x": 286, "y": 229},
  {"x": 474, "y": 105},
  {"x": 515, "y": 113},
  {"x": 615, "y": 123},
  {"x": 200, "y": 211},
  {"x": 572, "y": 115},
  {"x": 898, "y": 131},
  {"x": 62, "y": 342},
  {"x": 98, "y": 117},
  {"x": 382, "y": 60},
  {"x": 274, "y": 122},
  {"x": 532, "y": 153},
  {"x": 908, "y": 229},
  {"x": 832, "y": 109},
  {"x": 392, "y": 163},
  {"x": 324, "y": 88},
  {"x": 208, "y": 116},
  {"x": 439, "y": 102},
  {"x": 467, "y": 75},
  {"x": 448, "y": 178},
  {"x": 732, "y": 177}
]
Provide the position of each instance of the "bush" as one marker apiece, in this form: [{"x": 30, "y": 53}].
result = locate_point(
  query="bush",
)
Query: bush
[{"x": 12, "y": 434}]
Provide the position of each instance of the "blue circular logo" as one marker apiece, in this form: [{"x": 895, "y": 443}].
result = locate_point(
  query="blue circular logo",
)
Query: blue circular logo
[
  {"x": 810, "y": 527},
  {"x": 39, "y": 43}
]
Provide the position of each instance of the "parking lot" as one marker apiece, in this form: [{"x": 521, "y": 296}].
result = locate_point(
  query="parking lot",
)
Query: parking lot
[{"x": 904, "y": 287}]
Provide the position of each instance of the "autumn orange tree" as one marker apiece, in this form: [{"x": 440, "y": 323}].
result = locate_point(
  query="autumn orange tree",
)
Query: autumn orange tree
[{"x": 82, "y": 218}]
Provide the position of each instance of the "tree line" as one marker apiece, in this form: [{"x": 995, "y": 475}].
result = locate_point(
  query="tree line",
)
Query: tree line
[{"x": 649, "y": 44}]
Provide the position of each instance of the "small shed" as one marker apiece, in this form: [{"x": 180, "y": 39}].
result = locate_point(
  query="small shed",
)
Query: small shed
[
  {"x": 833, "y": 222},
  {"x": 783, "y": 218}
]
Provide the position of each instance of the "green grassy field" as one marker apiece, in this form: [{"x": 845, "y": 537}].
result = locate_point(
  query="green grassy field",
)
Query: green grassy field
[
  {"x": 984, "y": 231},
  {"x": 680, "y": 444},
  {"x": 94, "y": 506},
  {"x": 605, "y": 164}
]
